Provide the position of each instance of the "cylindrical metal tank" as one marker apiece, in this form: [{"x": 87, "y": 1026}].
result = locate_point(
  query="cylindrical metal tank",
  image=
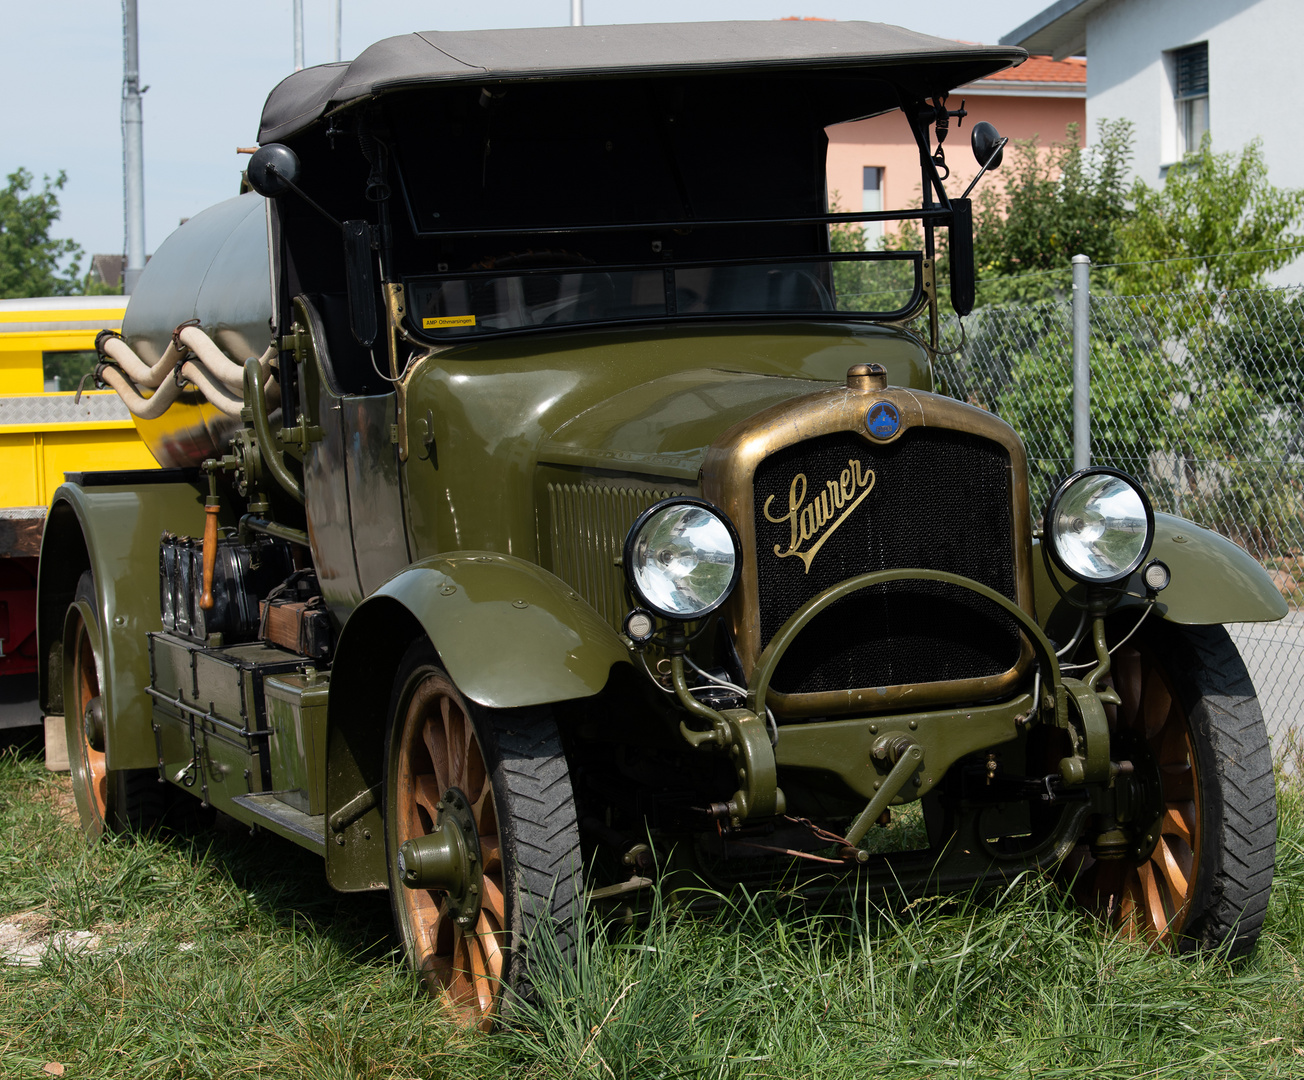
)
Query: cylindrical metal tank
[{"x": 214, "y": 268}]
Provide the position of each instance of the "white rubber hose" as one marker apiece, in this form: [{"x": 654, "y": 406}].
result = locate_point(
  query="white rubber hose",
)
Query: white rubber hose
[
  {"x": 147, "y": 408},
  {"x": 212, "y": 388},
  {"x": 139, "y": 372},
  {"x": 214, "y": 359},
  {"x": 218, "y": 379}
]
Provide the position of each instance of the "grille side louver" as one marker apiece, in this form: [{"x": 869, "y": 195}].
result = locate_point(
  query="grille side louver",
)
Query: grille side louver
[{"x": 589, "y": 525}]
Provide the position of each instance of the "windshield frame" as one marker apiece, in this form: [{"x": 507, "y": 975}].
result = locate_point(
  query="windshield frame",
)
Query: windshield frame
[{"x": 455, "y": 333}]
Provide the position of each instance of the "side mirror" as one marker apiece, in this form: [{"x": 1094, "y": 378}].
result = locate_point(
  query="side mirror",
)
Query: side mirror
[
  {"x": 985, "y": 141},
  {"x": 273, "y": 170}
]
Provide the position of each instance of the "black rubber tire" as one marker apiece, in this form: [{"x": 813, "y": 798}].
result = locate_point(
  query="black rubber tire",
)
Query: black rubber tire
[
  {"x": 533, "y": 807},
  {"x": 108, "y": 800},
  {"x": 1239, "y": 807},
  {"x": 1190, "y": 719}
]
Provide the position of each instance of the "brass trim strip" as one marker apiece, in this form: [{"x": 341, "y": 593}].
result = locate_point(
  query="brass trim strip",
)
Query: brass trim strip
[{"x": 759, "y": 684}]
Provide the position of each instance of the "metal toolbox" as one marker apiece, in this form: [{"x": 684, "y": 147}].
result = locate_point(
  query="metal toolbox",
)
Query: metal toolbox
[
  {"x": 296, "y": 748},
  {"x": 210, "y": 718}
]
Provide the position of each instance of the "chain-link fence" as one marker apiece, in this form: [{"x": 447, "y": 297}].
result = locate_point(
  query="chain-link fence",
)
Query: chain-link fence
[{"x": 1200, "y": 396}]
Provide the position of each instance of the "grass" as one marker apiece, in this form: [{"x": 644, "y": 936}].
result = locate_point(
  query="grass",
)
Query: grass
[{"x": 229, "y": 957}]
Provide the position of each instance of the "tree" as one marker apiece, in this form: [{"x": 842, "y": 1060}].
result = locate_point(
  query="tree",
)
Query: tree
[
  {"x": 31, "y": 262},
  {"x": 1201, "y": 396},
  {"x": 1055, "y": 204},
  {"x": 1217, "y": 205}
]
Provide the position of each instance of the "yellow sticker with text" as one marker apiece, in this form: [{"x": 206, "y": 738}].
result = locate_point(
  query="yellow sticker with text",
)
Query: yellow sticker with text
[{"x": 442, "y": 321}]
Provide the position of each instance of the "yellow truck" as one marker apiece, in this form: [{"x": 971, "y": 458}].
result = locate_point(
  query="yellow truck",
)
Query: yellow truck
[{"x": 46, "y": 431}]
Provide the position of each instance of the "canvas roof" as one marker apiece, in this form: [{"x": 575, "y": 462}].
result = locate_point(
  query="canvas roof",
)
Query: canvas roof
[{"x": 579, "y": 52}]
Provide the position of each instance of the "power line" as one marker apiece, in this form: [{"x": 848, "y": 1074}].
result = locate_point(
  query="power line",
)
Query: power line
[
  {"x": 1146, "y": 262},
  {"x": 1200, "y": 258},
  {"x": 1038, "y": 273}
]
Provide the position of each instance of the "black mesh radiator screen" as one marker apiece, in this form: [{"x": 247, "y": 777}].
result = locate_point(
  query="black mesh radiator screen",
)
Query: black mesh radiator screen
[{"x": 838, "y": 506}]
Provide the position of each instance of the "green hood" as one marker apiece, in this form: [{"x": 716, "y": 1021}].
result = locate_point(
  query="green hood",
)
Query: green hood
[{"x": 629, "y": 403}]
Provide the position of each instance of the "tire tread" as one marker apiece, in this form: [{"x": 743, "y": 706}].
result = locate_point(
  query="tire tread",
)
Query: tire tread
[{"x": 1224, "y": 712}]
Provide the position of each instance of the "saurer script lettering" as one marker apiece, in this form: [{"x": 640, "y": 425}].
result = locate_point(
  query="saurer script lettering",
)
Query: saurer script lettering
[{"x": 818, "y": 519}]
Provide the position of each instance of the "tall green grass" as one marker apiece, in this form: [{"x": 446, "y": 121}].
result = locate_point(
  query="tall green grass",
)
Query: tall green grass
[{"x": 228, "y": 956}]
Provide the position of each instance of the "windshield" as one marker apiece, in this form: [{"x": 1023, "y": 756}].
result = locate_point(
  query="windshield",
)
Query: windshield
[
  {"x": 533, "y": 207},
  {"x": 515, "y": 297}
]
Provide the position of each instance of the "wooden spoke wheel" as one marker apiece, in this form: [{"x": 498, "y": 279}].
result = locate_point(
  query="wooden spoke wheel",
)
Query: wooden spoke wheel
[
  {"x": 1188, "y": 860},
  {"x": 108, "y": 800},
  {"x": 83, "y": 712},
  {"x": 498, "y": 784}
]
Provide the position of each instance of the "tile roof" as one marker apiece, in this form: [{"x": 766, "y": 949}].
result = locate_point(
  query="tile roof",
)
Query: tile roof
[{"x": 1042, "y": 69}]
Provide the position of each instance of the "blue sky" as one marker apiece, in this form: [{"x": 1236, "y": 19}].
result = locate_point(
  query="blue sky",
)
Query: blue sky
[{"x": 209, "y": 66}]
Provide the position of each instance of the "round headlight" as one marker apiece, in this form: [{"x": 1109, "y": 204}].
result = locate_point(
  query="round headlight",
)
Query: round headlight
[
  {"x": 682, "y": 558},
  {"x": 1099, "y": 526}
]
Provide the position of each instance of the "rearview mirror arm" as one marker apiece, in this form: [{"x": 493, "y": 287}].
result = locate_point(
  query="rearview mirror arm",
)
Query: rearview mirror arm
[
  {"x": 271, "y": 168},
  {"x": 986, "y": 164}
]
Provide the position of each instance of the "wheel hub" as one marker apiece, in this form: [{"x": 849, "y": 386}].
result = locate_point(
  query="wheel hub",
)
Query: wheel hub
[
  {"x": 448, "y": 859},
  {"x": 1138, "y": 797},
  {"x": 93, "y": 723}
]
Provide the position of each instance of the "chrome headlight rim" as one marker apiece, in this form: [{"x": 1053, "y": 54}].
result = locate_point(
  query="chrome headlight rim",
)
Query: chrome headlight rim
[
  {"x": 1049, "y": 535},
  {"x": 631, "y": 538}
]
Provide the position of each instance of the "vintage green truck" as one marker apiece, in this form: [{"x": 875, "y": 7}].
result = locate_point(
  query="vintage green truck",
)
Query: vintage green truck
[{"x": 546, "y": 509}]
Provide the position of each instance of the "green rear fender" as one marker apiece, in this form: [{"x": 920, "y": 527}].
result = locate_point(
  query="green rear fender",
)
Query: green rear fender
[
  {"x": 509, "y": 633},
  {"x": 114, "y": 532},
  {"x": 1213, "y": 581}
]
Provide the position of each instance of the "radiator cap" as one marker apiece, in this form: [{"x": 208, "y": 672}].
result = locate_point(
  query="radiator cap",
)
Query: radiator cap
[{"x": 867, "y": 377}]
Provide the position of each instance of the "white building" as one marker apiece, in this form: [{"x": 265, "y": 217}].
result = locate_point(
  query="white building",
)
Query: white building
[{"x": 1177, "y": 68}]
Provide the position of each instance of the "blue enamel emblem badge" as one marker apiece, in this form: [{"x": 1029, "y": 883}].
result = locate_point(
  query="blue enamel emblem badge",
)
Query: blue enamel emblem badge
[{"x": 883, "y": 420}]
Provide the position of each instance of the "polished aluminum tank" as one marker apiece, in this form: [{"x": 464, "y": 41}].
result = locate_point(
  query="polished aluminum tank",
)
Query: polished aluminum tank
[{"x": 214, "y": 268}]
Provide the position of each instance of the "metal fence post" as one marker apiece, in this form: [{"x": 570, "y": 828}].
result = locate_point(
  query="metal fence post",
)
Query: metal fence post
[{"x": 1081, "y": 361}]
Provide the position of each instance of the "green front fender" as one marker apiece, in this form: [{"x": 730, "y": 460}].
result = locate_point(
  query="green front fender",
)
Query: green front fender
[
  {"x": 509, "y": 633},
  {"x": 1213, "y": 580}
]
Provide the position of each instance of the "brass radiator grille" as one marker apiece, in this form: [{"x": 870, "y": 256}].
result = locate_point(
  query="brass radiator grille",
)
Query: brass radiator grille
[
  {"x": 941, "y": 500},
  {"x": 589, "y": 525}
]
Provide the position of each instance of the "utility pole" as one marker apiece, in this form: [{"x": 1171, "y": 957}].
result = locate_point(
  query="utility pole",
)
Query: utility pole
[
  {"x": 133, "y": 150},
  {"x": 577, "y": 12},
  {"x": 298, "y": 35},
  {"x": 339, "y": 23}
]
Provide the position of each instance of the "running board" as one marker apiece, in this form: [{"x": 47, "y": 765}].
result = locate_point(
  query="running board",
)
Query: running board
[{"x": 266, "y": 810}]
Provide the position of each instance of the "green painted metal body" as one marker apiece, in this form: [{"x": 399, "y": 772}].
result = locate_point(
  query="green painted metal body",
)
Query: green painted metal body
[
  {"x": 296, "y": 714},
  {"x": 848, "y": 748},
  {"x": 114, "y": 532},
  {"x": 876, "y": 756}
]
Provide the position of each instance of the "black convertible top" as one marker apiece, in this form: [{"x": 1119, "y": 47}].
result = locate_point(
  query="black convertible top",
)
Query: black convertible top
[{"x": 566, "y": 52}]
